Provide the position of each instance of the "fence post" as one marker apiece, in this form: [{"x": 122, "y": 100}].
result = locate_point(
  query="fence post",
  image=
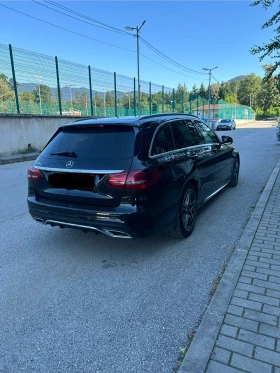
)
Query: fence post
[
  {"x": 183, "y": 111},
  {"x": 14, "y": 78},
  {"x": 173, "y": 100},
  {"x": 58, "y": 85},
  {"x": 90, "y": 90},
  {"x": 162, "y": 99},
  {"x": 115, "y": 94},
  {"x": 197, "y": 105},
  {"x": 134, "y": 98},
  {"x": 150, "y": 93},
  {"x": 203, "y": 108}
]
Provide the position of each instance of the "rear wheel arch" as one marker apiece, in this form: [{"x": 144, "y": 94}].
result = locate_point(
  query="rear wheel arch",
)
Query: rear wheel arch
[
  {"x": 235, "y": 172},
  {"x": 186, "y": 211}
]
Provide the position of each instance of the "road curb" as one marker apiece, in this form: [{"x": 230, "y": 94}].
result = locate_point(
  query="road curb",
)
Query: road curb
[
  {"x": 200, "y": 350},
  {"x": 18, "y": 158}
]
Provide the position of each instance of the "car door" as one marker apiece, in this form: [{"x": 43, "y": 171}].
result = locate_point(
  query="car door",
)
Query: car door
[
  {"x": 186, "y": 136},
  {"x": 221, "y": 155}
]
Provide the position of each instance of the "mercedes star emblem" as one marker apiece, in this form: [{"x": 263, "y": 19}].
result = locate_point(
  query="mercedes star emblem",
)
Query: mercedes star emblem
[{"x": 69, "y": 164}]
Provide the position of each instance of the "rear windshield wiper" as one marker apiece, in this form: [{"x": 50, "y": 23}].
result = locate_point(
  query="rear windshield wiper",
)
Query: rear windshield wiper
[{"x": 67, "y": 154}]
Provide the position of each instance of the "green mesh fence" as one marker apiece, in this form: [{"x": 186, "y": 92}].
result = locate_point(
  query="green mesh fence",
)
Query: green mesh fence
[
  {"x": 51, "y": 86},
  {"x": 236, "y": 111}
]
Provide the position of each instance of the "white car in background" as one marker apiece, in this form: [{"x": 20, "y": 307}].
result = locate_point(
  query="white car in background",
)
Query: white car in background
[
  {"x": 226, "y": 124},
  {"x": 278, "y": 130}
]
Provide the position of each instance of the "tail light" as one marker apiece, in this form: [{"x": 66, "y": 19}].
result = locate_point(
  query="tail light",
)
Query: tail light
[
  {"x": 133, "y": 180},
  {"x": 33, "y": 174}
]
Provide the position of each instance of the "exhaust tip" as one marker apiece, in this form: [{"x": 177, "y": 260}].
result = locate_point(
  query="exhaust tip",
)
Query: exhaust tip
[
  {"x": 116, "y": 234},
  {"x": 39, "y": 220}
]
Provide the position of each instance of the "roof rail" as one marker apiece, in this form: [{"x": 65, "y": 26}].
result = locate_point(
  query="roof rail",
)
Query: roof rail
[{"x": 166, "y": 114}]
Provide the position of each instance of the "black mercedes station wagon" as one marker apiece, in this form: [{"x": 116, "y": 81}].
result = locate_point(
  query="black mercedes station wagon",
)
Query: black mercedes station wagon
[{"x": 132, "y": 176}]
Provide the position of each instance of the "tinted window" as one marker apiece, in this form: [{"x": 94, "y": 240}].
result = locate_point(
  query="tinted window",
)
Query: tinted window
[
  {"x": 225, "y": 121},
  {"x": 209, "y": 136},
  {"x": 93, "y": 142},
  {"x": 185, "y": 134},
  {"x": 163, "y": 141}
]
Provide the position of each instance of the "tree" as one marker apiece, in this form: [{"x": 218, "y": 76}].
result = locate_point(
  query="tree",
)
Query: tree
[
  {"x": 26, "y": 96},
  {"x": 109, "y": 99},
  {"x": 45, "y": 94},
  {"x": 248, "y": 89},
  {"x": 181, "y": 97},
  {"x": 6, "y": 92},
  {"x": 230, "y": 98},
  {"x": 81, "y": 97},
  {"x": 202, "y": 91},
  {"x": 193, "y": 93},
  {"x": 271, "y": 48},
  {"x": 98, "y": 99},
  {"x": 214, "y": 91},
  {"x": 9, "y": 82},
  {"x": 268, "y": 96},
  {"x": 224, "y": 90}
]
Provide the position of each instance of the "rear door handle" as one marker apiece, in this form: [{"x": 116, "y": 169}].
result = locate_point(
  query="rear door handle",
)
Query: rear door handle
[{"x": 193, "y": 156}]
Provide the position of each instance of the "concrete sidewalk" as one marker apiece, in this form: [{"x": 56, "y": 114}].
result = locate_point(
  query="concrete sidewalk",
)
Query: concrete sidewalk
[
  {"x": 18, "y": 158},
  {"x": 240, "y": 331}
]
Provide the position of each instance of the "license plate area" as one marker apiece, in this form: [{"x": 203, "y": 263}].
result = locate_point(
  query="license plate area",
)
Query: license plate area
[{"x": 71, "y": 181}]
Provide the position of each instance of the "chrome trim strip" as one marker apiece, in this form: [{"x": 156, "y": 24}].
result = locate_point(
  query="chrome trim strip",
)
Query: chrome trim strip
[
  {"x": 177, "y": 150},
  {"x": 217, "y": 191},
  {"x": 184, "y": 149},
  {"x": 77, "y": 170},
  {"x": 105, "y": 231}
]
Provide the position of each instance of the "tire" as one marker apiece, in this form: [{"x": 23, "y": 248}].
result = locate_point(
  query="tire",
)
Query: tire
[
  {"x": 235, "y": 174},
  {"x": 186, "y": 213}
]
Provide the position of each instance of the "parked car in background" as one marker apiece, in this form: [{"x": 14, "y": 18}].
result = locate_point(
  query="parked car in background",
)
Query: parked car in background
[
  {"x": 212, "y": 123},
  {"x": 132, "y": 176},
  {"x": 278, "y": 130},
  {"x": 271, "y": 118},
  {"x": 226, "y": 124}
]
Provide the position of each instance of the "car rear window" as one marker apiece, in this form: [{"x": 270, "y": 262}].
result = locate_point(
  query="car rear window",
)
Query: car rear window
[
  {"x": 225, "y": 121},
  {"x": 93, "y": 142}
]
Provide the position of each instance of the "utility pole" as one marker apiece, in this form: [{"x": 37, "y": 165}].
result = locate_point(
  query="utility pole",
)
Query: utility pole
[
  {"x": 104, "y": 103},
  {"x": 71, "y": 98},
  {"x": 39, "y": 78},
  {"x": 209, "y": 90},
  {"x": 138, "y": 64}
]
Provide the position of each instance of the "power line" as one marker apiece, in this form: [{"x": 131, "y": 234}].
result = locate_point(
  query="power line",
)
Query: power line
[
  {"x": 100, "y": 25},
  {"x": 110, "y": 28},
  {"x": 215, "y": 79},
  {"x": 170, "y": 60},
  {"x": 64, "y": 29},
  {"x": 177, "y": 72},
  {"x": 85, "y": 17}
]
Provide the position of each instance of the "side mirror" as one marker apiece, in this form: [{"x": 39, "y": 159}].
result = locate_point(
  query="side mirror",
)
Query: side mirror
[{"x": 227, "y": 140}]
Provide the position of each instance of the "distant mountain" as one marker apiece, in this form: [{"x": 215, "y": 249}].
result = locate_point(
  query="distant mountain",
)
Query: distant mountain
[
  {"x": 237, "y": 79},
  {"x": 66, "y": 91}
]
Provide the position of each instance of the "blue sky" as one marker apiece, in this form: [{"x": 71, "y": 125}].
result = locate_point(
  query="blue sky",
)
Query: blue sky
[{"x": 195, "y": 34}]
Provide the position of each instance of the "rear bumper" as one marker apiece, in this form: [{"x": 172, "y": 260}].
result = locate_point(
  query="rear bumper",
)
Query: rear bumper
[
  {"x": 223, "y": 128},
  {"x": 122, "y": 222}
]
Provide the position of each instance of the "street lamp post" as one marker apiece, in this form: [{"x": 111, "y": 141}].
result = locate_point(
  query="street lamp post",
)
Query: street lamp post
[
  {"x": 128, "y": 96},
  {"x": 104, "y": 103},
  {"x": 71, "y": 98},
  {"x": 209, "y": 91},
  {"x": 39, "y": 78},
  {"x": 138, "y": 67}
]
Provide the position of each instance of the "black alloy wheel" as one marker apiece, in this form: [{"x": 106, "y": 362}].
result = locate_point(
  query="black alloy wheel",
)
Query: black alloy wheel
[
  {"x": 187, "y": 212},
  {"x": 235, "y": 174}
]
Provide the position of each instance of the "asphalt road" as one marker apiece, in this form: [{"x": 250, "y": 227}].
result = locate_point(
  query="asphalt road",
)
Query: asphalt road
[{"x": 85, "y": 303}]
